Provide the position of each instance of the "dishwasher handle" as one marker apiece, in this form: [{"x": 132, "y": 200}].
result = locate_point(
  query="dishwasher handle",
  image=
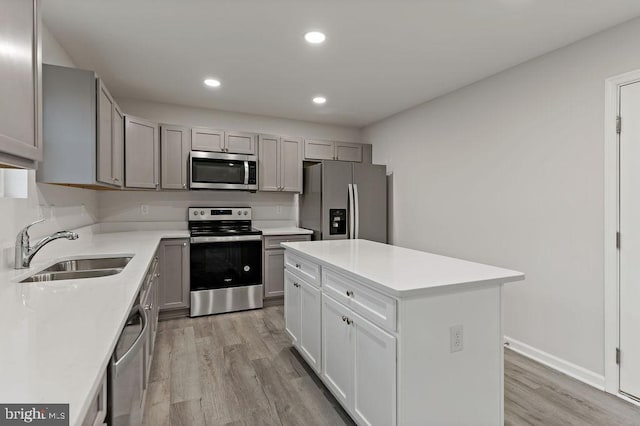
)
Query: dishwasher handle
[{"x": 119, "y": 364}]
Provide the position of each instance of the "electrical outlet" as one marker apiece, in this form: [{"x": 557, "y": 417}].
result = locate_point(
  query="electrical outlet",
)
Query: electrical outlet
[
  {"x": 456, "y": 338},
  {"x": 144, "y": 209}
]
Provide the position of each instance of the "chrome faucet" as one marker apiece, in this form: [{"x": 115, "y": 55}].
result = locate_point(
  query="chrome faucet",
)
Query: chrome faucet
[{"x": 24, "y": 252}]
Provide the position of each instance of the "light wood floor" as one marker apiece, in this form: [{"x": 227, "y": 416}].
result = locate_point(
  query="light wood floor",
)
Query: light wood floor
[{"x": 240, "y": 369}]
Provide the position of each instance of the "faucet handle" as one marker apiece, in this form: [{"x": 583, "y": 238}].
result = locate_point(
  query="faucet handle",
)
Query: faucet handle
[{"x": 25, "y": 230}]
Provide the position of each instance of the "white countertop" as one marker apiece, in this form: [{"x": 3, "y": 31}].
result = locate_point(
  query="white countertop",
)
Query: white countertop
[
  {"x": 397, "y": 271},
  {"x": 286, "y": 230},
  {"x": 57, "y": 337}
]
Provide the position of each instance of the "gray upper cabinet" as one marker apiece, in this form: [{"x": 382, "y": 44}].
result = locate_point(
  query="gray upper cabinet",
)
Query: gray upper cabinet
[
  {"x": 213, "y": 140},
  {"x": 319, "y": 150},
  {"x": 110, "y": 128},
  {"x": 240, "y": 143},
  {"x": 346, "y": 151},
  {"x": 20, "y": 84},
  {"x": 280, "y": 163},
  {"x": 203, "y": 139},
  {"x": 142, "y": 154},
  {"x": 174, "y": 274},
  {"x": 316, "y": 150},
  {"x": 175, "y": 144},
  {"x": 83, "y": 130}
]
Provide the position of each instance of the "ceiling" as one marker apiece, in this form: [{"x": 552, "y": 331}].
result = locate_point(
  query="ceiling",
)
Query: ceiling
[{"x": 380, "y": 57}]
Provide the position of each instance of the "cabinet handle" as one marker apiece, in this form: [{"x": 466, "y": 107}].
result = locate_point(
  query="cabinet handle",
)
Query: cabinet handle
[
  {"x": 158, "y": 275},
  {"x": 155, "y": 258},
  {"x": 344, "y": 318},
  {"x": 184, "y": 244},
  {"x": 298, "y": 265},
  {"x": 349, "y": 293},
  {"x": 349, "y": 321},
  {"x": 148, "y": 307},
  {"x": 184, "y": 185}
]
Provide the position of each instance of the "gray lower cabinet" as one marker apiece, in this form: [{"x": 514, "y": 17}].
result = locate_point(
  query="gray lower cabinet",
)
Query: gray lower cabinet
[
  {"x": 174, "y": 274},
  {"x": 273, "y": 262},
  {"x": 97, "y": 413},
  {"x": 142, "y": 153},
  {"x": 20, "y": 83},
  {"x": 280, "y": 163},
  {"x": 175, "y": 145}
]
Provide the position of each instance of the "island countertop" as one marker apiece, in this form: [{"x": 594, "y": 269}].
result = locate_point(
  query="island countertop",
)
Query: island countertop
[{"x": 397, "y": 271}]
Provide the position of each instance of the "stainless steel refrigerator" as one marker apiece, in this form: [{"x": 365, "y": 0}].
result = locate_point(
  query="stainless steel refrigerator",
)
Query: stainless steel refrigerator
[{"x": 345, "y": 200}]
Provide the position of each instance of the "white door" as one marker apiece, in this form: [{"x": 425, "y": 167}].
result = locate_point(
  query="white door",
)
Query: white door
[
  {"x": 630, "y": 240},
  {"x": 337, "y": 350},
  {"x": 292, "y": 307},
  {"x": 310, "y": 306},
  {"x": 374, "y": 399}
]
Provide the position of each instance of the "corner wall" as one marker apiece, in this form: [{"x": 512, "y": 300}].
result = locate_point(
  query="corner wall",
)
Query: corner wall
[{"x": 509, "y": 171}]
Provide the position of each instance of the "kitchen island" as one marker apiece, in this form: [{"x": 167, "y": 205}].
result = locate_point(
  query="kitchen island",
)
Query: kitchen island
[{"x": 399, "y": 336}]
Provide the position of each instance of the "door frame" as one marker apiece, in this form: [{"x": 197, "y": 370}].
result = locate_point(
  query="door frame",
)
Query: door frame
[{"x": 611, "y": 227}]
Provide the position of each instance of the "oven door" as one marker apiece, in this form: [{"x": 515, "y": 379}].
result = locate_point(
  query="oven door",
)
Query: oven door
[
  {"x": 225, "y": 262},
  {"x": 221, "y": 171}
]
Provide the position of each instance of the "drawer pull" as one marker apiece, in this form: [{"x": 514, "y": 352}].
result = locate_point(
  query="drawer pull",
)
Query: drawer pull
[
  {"x": 296, "y": 285},
  {"x": 350, "y": 293},
  {"x": 349, "y": 321},
  {"x": 344, "y": 318},
  {"x": 298, "y": 265}
]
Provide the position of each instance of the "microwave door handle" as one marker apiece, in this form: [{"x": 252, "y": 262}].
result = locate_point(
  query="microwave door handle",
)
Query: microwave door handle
[
  {"x": 246, "y": 172},
  {"x": 351, "y": 211}
]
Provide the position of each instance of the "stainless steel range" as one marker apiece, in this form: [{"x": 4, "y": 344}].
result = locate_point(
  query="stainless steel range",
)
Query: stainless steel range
[{"x": 226, "y": 260}]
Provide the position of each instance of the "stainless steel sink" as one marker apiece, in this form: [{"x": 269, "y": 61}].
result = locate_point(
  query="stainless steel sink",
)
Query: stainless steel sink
[
  {"x": 88, "y": 264},
  {"x": 74, "y": 269}
]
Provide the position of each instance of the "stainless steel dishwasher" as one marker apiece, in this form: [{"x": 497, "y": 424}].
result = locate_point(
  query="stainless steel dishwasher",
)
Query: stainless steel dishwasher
[{"x": 127, "y": 372}]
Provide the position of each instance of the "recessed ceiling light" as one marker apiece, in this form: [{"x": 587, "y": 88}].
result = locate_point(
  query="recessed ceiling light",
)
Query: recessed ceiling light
[
  {"x": 319, "y": 100},
  {"x": 315, "y": 37},
  {"x": 211, "y": 82}
]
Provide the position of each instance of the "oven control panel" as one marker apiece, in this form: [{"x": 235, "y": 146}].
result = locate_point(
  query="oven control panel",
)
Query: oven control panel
[{"x": 219, "y": 213}]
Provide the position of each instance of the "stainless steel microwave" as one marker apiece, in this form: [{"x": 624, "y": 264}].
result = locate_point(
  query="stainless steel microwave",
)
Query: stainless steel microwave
[{"x": 214, "y": 170}]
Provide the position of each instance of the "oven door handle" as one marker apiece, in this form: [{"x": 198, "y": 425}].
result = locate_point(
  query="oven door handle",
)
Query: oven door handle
[{"x": 203, "y": 240}]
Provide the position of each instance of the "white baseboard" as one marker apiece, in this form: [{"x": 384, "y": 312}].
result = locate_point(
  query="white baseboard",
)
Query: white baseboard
[{"x": 559, "y": 364}]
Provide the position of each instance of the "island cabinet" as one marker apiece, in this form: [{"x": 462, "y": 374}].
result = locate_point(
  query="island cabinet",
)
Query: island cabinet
[
  {"x": 280, "y": 163},
  {"x": 142, "y": 153},
  {"x": 405, "y": 337},
  {"x": 20, "y": 63}
]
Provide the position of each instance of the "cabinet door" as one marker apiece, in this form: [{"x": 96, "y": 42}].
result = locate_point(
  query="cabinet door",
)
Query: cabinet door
[
  {"x": 273, "y": 273},
  {"x": 319, "y": 150},
  {"x": 269, "y": 159},
  {"x": 104, "y": 148},
  {"x": 207, "y": 139},
  {"x": 337, "y": 350},
  {"x": 310, "y": 327},
  {"x": 175, "y": 144},
  {"x": 20, "y": 82},
  {"x": 118, "y": 145},
  {"x": 291, "y": 164},
  {"x": 174, "y": 274},
  {"x": 240, "y": 143},
  {"x": 142, "y": 153},
  {"x": 349, "y": 151},
  {"x": 374, "y": 394},
  {"x": 292, "y": 307}
]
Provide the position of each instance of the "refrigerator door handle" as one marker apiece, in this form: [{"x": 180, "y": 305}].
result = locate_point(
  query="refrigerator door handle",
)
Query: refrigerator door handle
[
  {"x": 351, "y": 212},
  {"x": 357, "y": 211}
]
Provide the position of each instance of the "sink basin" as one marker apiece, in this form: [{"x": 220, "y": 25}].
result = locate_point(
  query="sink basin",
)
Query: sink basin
[
  {"x": 88, "y": 264},
  {"x": 74, "y": 269}
]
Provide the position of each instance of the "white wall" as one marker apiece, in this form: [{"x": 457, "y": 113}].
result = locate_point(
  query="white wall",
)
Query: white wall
[
  {"x": 171, "y": 206},
  {"x": 63, "y": 207},
  {"x": 509, "y": 171}
]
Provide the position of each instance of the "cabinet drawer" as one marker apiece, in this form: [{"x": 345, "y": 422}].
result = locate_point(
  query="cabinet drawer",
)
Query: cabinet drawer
[
  {"x": 302, "y": 267},
  {"x": 374, "y": 306},
  {"x": 273, "y": 242}
]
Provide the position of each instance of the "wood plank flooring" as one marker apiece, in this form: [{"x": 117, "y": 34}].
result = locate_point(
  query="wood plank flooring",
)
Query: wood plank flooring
[{"x": 240, "y": 369}]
